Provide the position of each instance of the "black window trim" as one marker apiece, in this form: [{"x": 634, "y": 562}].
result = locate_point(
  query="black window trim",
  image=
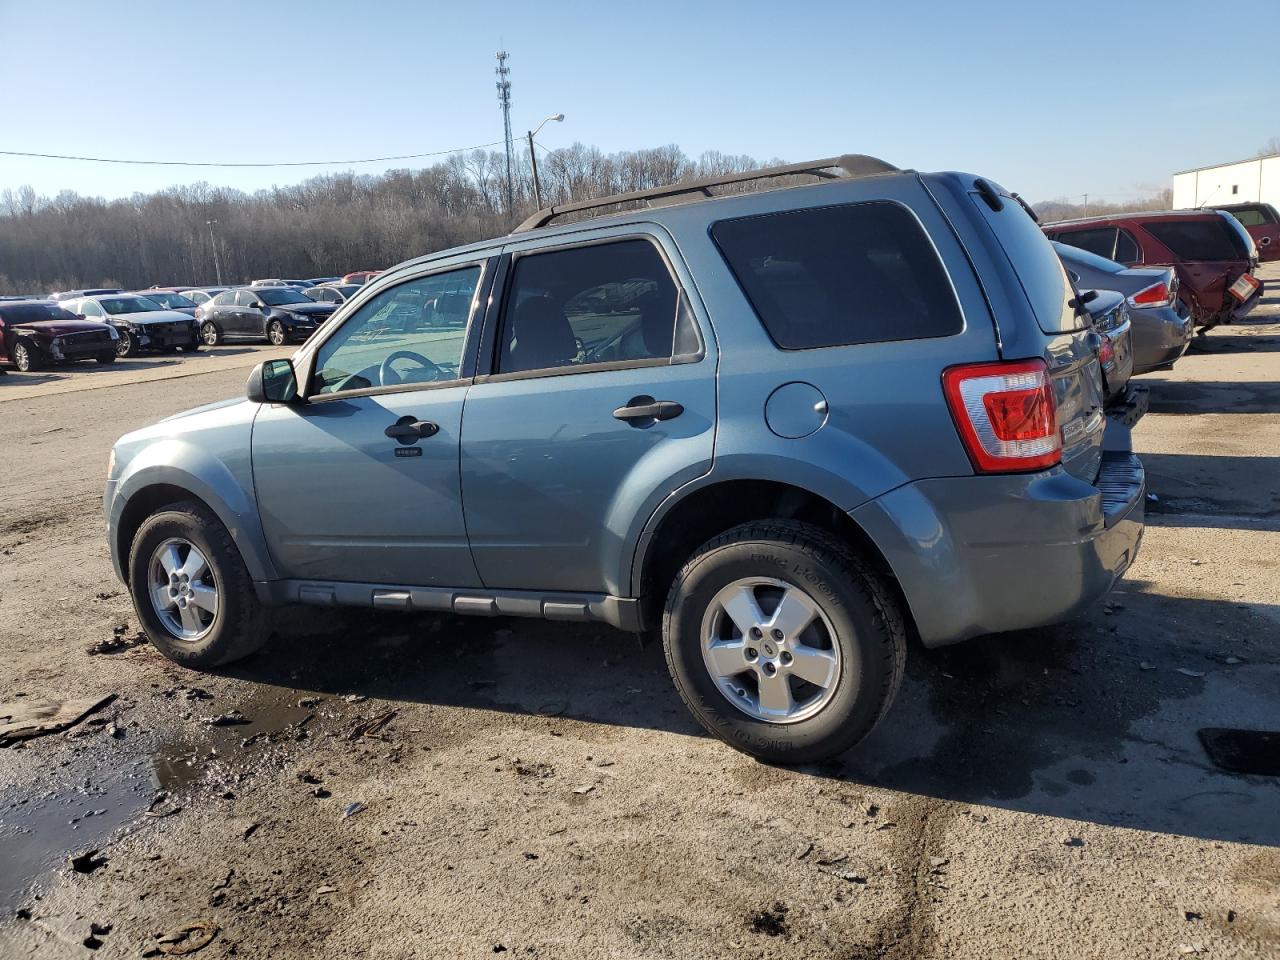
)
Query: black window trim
[
  {"x": 466, "y": 363},
  {"x": 1132, "y": 239},
  {"x": 924, "y": 231},
  {"x": 495, "y": 320}
]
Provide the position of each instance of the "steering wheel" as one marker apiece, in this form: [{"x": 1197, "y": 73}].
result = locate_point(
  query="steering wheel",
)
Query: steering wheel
[{"x": 387, "y": 377}]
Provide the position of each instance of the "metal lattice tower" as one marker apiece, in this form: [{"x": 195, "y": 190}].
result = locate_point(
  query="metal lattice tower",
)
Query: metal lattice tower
[{"x": 504, "y": 101}]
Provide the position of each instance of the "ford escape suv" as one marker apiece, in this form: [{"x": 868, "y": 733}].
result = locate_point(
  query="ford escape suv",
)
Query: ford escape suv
[{"x": 785, "y": 429}]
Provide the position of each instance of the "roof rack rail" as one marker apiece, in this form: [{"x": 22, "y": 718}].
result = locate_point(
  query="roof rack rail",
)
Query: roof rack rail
[{"x": 850, "y": 165}]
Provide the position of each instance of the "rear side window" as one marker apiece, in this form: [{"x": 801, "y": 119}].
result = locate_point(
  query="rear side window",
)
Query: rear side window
[
  {"x": 1250, "y": 218},
  {"x": 836, "y": 276},
  {"x": 1196, "y": 239},
  {"x": 1126, "y": 247},
  {"x": 1099, "y": 240}
]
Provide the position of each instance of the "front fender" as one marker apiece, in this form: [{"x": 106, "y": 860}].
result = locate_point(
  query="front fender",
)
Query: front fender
[{"x": 228, "y": 493}]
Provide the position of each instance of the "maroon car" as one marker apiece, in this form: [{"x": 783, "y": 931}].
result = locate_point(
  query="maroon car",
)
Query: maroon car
[
  {"x": 38, "y": 333},
  {"x": 1263, "y": 224},
  {"x": 1210, "y": 254}
]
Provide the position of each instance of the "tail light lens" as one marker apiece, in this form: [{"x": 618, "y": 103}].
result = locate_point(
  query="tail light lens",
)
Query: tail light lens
[
  {"x": 1005, "y": 415},
  {"x": 1156, "y": 295},
  {"x": 1107, "y": 353}
]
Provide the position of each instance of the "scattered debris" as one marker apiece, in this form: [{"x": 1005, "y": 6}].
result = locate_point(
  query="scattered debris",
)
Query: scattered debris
[
  {"x": 530, "y": 856},
  {"x": 833, "y": 861},
  {"x": 1072, "y": 842},
  {"x": 585, "y": 789},
  {"x": 232, "y": 718},
  {"x": 372, "y": 727},
  {"x": 772, "y": 923},
  {"x": 1187, "y": 672},
  {"x": 804, "y": 850},
  {"x": 873, "y": 809},
  {"x": 351, "y": 809},
  {"x": 185, "y": 939},
  {"x": 355, "y": 698},
  {"x": 1152, "y": 498},
  {"x": 114, "y": 730},
  {"x": 1232, "y": 661},
  {"x": 320, "y": 793},
  {"x": 88, "y": 861},
  {"x": 117, "y": 642},
  {"x": 499, "y": 948},
  {"x": 937, "y": 863},
  {"x": 887, "y": 825},
  {"x": 1188, "y": 948},
  {"x": 34, "y": 718},
  {"x": 1190, "y": 915},
  {"x": 306, "y": 702},
  {"x": 1146, "y": 665},
  {"x": 250, "y": 830},
  {"x": 325, "y": 890},
  {"x": 852, "y": 877}
]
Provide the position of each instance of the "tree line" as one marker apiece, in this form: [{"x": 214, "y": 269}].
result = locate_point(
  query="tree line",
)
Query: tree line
[{"x": 322, "y": 226}]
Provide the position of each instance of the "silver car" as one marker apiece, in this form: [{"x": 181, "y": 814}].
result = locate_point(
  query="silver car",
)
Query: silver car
[{"x": 142, "y": 323}]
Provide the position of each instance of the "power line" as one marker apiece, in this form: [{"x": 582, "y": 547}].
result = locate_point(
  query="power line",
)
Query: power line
[{"x": 197, "y": 163}]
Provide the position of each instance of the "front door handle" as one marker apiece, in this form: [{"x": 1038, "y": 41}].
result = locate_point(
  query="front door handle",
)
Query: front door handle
[
  {"x": 410, "y": 429},
  {"x": 647, "y": 408}
]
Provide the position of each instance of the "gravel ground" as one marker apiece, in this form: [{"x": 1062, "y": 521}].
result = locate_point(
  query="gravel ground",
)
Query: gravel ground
[{"x": 538, "y": 789}]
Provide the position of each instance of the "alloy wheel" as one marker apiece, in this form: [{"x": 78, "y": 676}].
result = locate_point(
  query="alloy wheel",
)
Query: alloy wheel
[
  {"x": 21, "y": 357},
  {"x": 275, "y": 333},
  {"x": 771, "y": 650},
  {"x": 124, "y": 346},
  {"x": 183, "y": 589},
  {"x": 209, "y": 333}
]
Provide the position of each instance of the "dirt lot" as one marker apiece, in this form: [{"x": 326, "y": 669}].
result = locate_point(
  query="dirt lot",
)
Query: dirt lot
[{"x": 539, "y": 790}]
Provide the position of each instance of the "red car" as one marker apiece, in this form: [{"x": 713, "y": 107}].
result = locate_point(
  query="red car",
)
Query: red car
[
  {"x": 36, "y": 334},
  {"x": 1263, "y": 224},
  {"x": 1209, "y": 252},
  {"x": 360, "y": 276}
]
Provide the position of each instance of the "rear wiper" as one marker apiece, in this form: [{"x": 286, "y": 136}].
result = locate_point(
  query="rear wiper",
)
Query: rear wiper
[{"x": 1077, "y": 303}]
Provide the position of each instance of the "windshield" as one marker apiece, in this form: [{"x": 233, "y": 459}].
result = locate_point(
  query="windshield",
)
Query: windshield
[
  {"x": 33, "y": 313},
  {"x": 1084, "y": 258},
  {"x": 118, "y": 305},
  {"x": 278, "y": 296},
  {"x": 170, "y": 300}
]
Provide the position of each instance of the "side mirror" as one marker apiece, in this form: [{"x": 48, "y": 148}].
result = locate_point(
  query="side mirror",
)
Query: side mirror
[{"x": 273, "y": 381}]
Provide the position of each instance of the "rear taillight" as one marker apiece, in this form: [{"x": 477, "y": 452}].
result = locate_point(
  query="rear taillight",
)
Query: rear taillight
[
  {"x": 1156, "y": 295},
  {"x": 1005, "y": 415}
]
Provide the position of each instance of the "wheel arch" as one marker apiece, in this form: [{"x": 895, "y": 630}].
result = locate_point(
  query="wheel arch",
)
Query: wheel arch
[{"x": 700, "y": 514}]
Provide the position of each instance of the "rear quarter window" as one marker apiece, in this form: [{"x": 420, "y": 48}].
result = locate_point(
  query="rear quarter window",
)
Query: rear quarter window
[
  {"x": 843, "y": 275},
  {"x": 1196, "y": 239}
]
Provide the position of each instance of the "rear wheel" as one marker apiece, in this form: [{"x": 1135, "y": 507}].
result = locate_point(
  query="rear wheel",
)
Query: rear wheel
[
  {"x": 210, "y": 335},
  {"x": 25, "y": 357},
  {"x": 191, "y": 590},
  {"x": 275, "y": 333},
  {"x": 782, "y": 642}
]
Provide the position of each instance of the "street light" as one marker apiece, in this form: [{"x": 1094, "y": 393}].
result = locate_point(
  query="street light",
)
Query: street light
[
  {"x": 533, "y": 157},
  {"x": 217, "y": 266}
]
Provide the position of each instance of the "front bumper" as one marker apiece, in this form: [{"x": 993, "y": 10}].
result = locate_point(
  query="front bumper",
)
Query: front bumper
[{"x": 988, "y": 554}]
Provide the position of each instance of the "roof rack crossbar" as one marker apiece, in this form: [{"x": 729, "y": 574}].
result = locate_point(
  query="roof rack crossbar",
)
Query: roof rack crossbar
[{"x": 850, "y": 165}]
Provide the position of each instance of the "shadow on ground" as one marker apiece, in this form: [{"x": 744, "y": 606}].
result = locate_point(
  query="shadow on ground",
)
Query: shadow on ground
[
  {"x": 1091, "y": 721},
  {"x": 1213, "y": 396}
]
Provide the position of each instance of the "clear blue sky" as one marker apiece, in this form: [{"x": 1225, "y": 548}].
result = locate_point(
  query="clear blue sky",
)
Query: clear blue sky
[{"x": 1050, "y": 99}]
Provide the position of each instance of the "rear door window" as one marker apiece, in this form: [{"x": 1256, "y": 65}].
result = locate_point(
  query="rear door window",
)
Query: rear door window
[
  {"x": 837, "y": 276},
  {"x": 1196, "y": 239},
  {"x": 1038, "y": 266},
  {"x": 1098, "y": 240}
]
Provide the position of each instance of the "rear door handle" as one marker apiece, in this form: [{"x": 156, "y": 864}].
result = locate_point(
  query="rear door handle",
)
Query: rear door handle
[
  {"x": 646, "y": 408},
  {"x": 410, "y": 430}
]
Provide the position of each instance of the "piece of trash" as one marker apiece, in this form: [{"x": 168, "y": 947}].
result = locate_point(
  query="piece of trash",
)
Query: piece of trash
[
  {"x": 1196, "y": 563},
  {"x": 117, "y": 642},
  {"x": 320, "y": 793},
  {"x": 530, "y": 856},
  {"x": 250, "y": 830},
  {"x": 873, "y": 809},
  {"x": 88, "y": 861},
  {"x": 832, "y": 861},
  {"x": 1152, "y": 498},
  {"x": 1072, "y": 842},
  {"x": 587, "y": 789},
  {"x": 115, "y": 731},
  {"x": 371, "y": 727},
  {"x": 852, "y": 877},
  {"x": 27, "y": 718},
  {"x": 233, "y": 718},
  {"x": 355, "y": 698},
  {"x": 325, "y": 890},
  {"x": 351, "y": 809},
  {"x": 889, "y": 825},
  {"x": 1190, "y": 915},
  {"x": 185, "y": 939},
  {"x": 1232, "y": 661},
  {"x": 1189, "y": 948},
  {"x": 1186, "y": 672},
  {"x": 772, "y": 923},
  {"x": 1146, "y": 665}
]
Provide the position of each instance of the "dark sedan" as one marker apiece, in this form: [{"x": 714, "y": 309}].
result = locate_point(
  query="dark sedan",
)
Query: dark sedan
[
  {"x": 34, "y": 334},
  {"x": 274, "y": 314}
]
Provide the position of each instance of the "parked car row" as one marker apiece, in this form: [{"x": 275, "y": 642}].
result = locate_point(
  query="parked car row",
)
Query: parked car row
[{"x": 105, "y": 323}]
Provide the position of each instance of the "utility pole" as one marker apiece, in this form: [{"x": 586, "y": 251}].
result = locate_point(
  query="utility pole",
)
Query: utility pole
[
  {"x": 504, "y": 101},
  {"x": 533, "y": 163},
  {"x": 1086, "y": 205},
  {"x": 217, "y": 264}
]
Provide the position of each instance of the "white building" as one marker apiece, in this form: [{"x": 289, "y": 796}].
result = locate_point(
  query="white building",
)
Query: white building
[{"x": 1249, "y": 181}]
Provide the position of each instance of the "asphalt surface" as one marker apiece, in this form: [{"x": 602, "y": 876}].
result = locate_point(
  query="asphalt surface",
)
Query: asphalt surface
[{"x": 539, "y": 790}]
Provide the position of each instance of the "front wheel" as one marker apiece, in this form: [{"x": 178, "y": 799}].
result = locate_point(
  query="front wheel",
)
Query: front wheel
[
  {"x": 276, "y": 333},
  {"x": 191, "y": 590},
  {"x": 210, "y": 334},
  {"x": 783, "y": 642},
  {"x": 126, "y": 346},
  {"x": 25, "y": 357}
]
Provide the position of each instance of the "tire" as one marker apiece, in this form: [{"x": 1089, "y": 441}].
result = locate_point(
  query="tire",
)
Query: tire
[
  {"x": 240, "y": 624},
  {"x": 210, "y": 335},
  {"x": 26, "y": 357},
  {"x": 276, "y": 335},
  {"x": 853, "y": 612},
  {"x": 126, "y": 346},
  {"x": 106, "y": 359}
]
